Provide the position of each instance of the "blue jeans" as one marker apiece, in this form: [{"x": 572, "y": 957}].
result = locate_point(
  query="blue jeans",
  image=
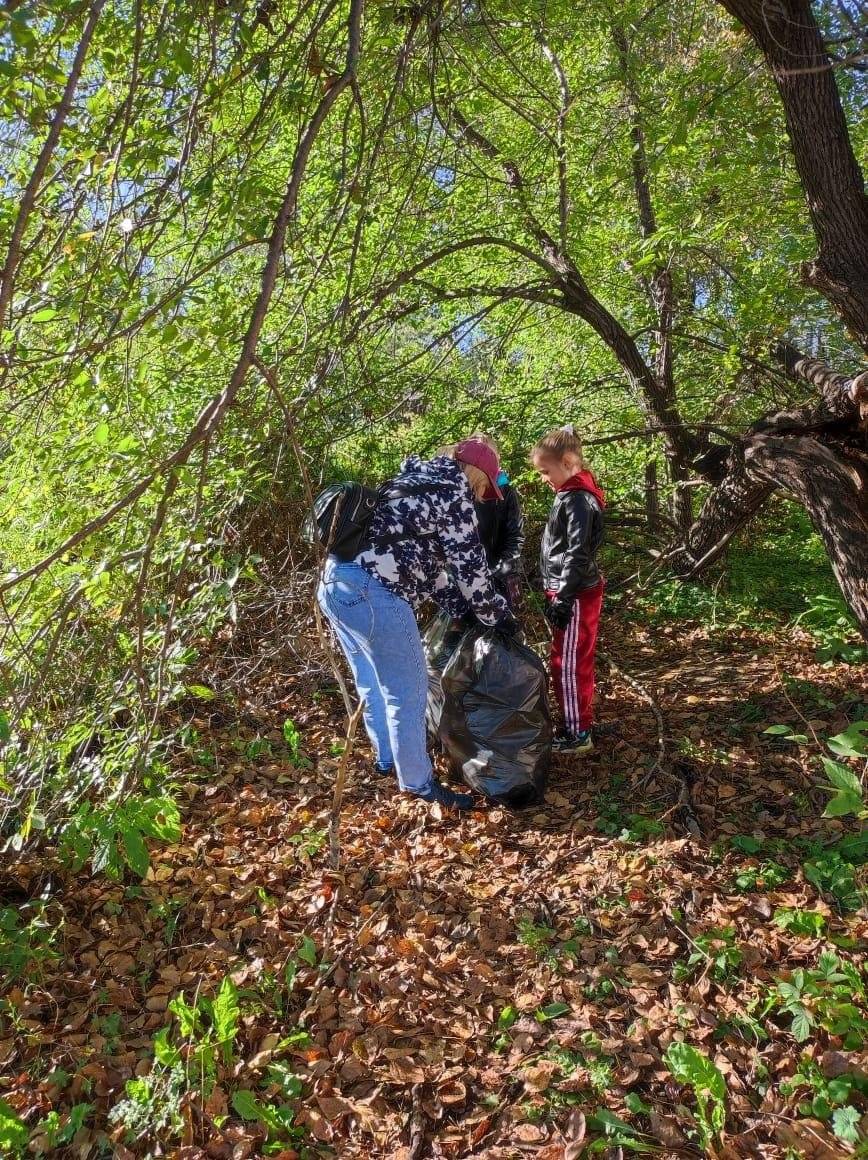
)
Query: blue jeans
[{"x": 378, "y": 633}]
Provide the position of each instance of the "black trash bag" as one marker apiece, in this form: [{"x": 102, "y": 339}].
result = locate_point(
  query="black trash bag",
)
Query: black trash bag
[
  {"x": 440, "y": 640},
  {"x": 487, "y": 704}
]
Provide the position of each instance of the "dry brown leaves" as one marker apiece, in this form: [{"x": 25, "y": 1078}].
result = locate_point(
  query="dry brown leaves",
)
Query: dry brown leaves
[{"x": 420, "y": 933}]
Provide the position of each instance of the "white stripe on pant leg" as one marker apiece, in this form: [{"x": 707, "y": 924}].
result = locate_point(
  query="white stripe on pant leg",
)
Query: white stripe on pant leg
[
  {"x": 565, "y": 677},
  {"x": 571, "y": 642},
  {"x": 578, "y": 636},
  {"x": 578, "y": 607},
  {"x": 566, "y": 668}
]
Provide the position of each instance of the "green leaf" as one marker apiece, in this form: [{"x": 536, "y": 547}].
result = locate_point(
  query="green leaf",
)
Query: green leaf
[
  {"x": 101, "y": 434},
  {"x": 636, "y": 1104},
  {"x": 853, "y": 742},
  {"x": 845, "y": 1124},
  {"x": 747, "y": 843},
  {"x": 136, "y": 851},
  {"x": 164, "y": 1051},
  {"x": 609, "y": 1121},
  {"x": 507, "y": 1017},
  {"x": 553, "y": 1011},
  {"x": 5, "y": 730},
  {"x": 848, "y": 798},
  {"x": 245, "y": 1103},
  {"x": 843, "y": 804},
  {"x": 13, "y": 1130},
  {"x": 841, "y": 776},
  {"x": 779, "y": 730},
  {"x": 690, "y": 1066},
  {"x": 44, "y": 315},
  {"x": 307, "y": 951},
  {"x": 201, "y": 691},
  {"x": 187, "y": 1016},
  {"x": 226, "y": 1014},
  {"x": 801, "y": 1025}
]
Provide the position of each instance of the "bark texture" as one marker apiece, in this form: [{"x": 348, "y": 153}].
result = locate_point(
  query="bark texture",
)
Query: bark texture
[
  {"x": 792, "y": 44},
  {"x": 816, "y": 454}
]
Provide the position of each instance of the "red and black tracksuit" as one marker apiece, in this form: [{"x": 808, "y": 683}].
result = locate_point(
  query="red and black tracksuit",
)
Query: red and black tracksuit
[{"x": 574, "y": 591}]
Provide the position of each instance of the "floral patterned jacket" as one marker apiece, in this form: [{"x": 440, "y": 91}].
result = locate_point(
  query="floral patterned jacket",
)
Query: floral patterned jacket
[{"x": 425, "y": 544}]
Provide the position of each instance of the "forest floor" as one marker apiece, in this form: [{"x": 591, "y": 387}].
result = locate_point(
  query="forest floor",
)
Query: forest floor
[{"x": 496, "y": 985}]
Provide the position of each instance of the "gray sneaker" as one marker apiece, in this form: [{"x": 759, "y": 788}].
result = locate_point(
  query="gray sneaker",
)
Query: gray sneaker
[{"x": 573, "y": 742}]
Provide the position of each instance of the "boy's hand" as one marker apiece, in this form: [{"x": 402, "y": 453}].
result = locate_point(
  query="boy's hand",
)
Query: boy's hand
[{"x": 558, "y": 613}]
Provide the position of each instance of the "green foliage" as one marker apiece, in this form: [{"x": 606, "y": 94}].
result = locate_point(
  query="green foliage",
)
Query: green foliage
[
  {"x": 292, "y": 737},
  {"x": 716, "y": 954},
  {"x": 846, "y": 790},
  {"x": 689, "y": 1066},
  {"x": 616, "y": 1133},
  {"x": 758, "y": 586},
  {"x": 113, "y": 837},
  {"x": 141, "y": 261},
  {"x": 807, "y": 923},
  {"x": 188, "y": 1059},
  {"x": 309, "y": 840},
  {"x": 551, "y": 1011},
  {"x": 761, "y": 876},
  {"x": 54, "y": 1130},
  {"x": 152, "y": 1107},
  {"x": 826, "y": 996},
  {"x": 599, "y": 1067},
  {"x": 829, "y": 622},
  {"x": 278, "y": 1119},
  {"x": 208, "y": 1028},
  {"x": 27, "y": 938},
  {"x": 833, "y": 874},
  {"x": 627, "y": 827},
  {"x": 537, "y": 937},
  {"x": 13, "y": 1130},
  {"x": 829, "y": 1099}
]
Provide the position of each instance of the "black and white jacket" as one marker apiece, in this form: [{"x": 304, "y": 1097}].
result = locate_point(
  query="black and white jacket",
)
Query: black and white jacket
[{"x": 426, "y": 546}]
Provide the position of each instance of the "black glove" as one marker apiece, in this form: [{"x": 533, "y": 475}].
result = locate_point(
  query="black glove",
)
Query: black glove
[
  {"x": 462, "y": 623},
  {"x": 508, "y": 625},
  {"x": 558, "y": 613}
]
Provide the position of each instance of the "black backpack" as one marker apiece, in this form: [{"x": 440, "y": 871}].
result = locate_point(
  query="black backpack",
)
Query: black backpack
[{"x": 342, "y": 515}]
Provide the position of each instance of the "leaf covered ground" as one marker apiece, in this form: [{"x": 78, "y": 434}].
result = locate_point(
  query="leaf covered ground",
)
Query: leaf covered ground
[{"x": 500, "y": 985}]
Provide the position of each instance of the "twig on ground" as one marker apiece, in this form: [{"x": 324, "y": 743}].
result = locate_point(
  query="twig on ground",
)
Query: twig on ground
[
  {"x": 417, "y": 1125},
  {"x": 636, "y": 686},
  {"x": 340, "y": 780}
]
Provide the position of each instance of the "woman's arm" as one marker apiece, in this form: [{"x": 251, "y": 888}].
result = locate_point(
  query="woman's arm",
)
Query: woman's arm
[{"x": 465, "y": 558}]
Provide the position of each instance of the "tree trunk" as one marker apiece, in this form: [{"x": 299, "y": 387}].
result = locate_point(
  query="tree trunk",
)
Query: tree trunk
[
  {"x": 652, "y": 497},
  {"x": 660, "y": 290},
  {"x": 791, "y": 41},
  {"x": 732, "y": 504},
  {"x": 818, "y": 454},
  {"x": 832, "y": 485}
]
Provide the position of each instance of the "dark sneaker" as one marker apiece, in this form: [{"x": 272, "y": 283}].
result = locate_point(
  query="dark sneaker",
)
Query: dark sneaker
[
  {"x": 573, "y": 742},
  {"x": 382, "y": 770},
  {"x": 447, "y": 797}
]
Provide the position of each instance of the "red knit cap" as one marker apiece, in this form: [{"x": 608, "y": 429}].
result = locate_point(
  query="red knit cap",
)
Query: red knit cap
[{"x": 479, "y": 454}]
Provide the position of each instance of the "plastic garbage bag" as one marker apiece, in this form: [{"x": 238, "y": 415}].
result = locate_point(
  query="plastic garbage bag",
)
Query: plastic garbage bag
[{"x": 488, "y": 706}]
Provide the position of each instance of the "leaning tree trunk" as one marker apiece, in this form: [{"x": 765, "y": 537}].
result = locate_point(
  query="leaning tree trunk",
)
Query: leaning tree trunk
[
  {"x": 832, "y": 485},
  {"x": 816, "y": 454}
]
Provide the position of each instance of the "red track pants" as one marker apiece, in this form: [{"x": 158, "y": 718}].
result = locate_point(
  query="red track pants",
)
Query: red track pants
[{"x": 572, "y": 660}]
